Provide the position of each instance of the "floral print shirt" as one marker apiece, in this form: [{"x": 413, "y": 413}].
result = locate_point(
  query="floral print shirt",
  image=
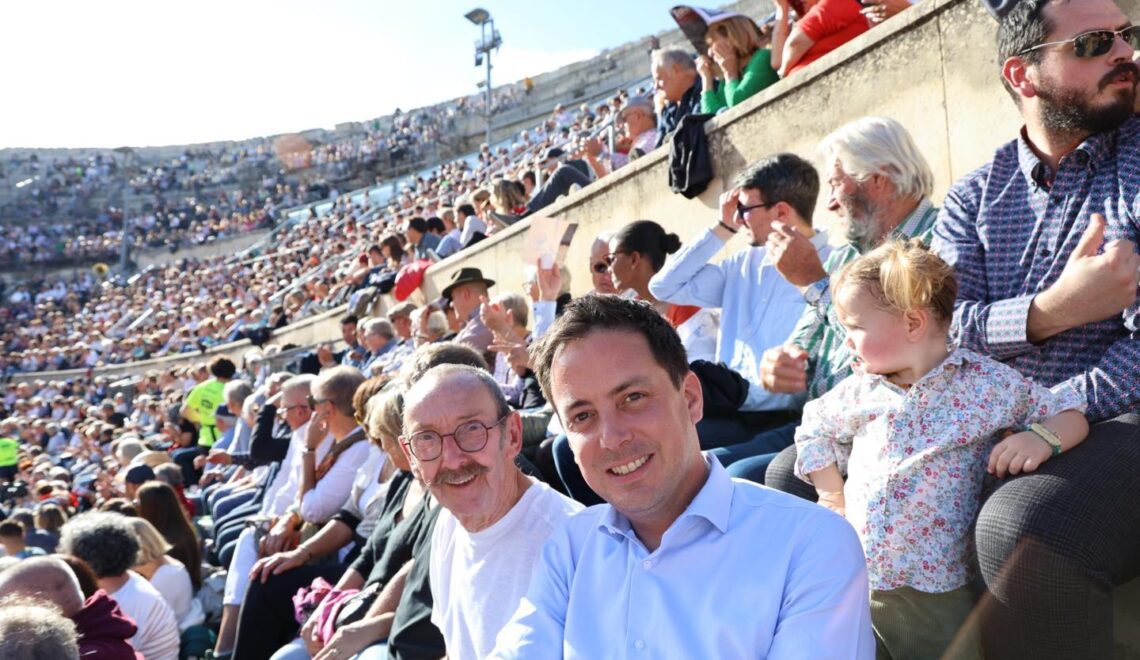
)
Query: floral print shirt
[{"x": 915, "y": 459}]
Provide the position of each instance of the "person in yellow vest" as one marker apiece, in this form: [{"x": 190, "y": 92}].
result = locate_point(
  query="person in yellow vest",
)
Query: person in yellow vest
[
  {"x": 9, "y": 452},
  {"x": 199, "y": 408}
]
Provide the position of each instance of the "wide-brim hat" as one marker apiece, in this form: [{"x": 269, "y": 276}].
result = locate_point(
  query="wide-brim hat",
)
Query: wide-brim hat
[
  {"x": 465, "y": 276},
  {"x": 695, "y": 21}
]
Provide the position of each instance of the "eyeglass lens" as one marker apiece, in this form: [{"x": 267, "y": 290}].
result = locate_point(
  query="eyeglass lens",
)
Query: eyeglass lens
[
  {"x": 470, "y": 437},
  {"x": 1095, "y": 44}
]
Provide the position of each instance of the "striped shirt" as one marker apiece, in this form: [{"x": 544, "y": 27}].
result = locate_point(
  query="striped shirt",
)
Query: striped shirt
[
  {"x": 819, "y": 331},
  {"x": 1008, "y": 229}
]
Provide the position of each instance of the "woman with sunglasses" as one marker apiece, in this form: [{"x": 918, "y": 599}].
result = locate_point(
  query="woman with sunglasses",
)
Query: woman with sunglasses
[{"x": 637, "y": 252}]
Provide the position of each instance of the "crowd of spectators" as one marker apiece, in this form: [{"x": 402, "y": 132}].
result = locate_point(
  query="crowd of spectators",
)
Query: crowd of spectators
[
  {"x": 318, "y": 264},
  {"x": 61, "y": 214},
  {"x": 913, "y": 398}
]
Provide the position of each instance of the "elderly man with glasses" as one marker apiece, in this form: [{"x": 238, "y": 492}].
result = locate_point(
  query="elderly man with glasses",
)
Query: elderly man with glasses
[{"x": 461, "y": 440}]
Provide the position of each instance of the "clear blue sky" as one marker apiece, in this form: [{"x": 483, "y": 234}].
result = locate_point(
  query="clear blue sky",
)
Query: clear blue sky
[{"x": 139, "y": 73}]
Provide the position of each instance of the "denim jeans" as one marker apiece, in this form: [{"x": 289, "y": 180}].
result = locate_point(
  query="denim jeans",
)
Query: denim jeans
[{"x": 749, "y": 459}]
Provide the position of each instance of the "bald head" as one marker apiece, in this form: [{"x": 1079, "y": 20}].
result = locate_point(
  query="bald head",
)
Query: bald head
[
  {"x": 461, "y": 376},
  {"x": 45, "y": 578}
]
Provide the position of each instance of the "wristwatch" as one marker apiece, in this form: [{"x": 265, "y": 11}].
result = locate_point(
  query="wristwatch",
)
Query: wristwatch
[
  {"x": 814, "y": 291},
  {"x": 1052, "y": 439}
]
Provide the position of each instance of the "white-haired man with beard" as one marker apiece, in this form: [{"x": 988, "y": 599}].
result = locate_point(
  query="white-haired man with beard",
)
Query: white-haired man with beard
[
  {"x": 461, "y": 439},
  {"x": 880, "y": 186}
]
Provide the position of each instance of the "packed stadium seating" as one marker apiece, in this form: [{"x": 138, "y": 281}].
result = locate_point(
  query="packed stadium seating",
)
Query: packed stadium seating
[{"x": 281, "y": 299}]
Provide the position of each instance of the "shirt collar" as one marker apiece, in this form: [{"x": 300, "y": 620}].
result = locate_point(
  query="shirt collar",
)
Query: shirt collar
[
  {"x": 957, "y": 357},
  {"x": 915, "y": 223},
  {"x": 713, "y": 502},
  {"x": 1093, "y": 150}
]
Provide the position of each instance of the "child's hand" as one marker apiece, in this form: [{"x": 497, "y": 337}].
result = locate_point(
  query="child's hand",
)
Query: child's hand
[
  {"x": 1020, "y": 452},
  {"x": 833, "y": 501}
]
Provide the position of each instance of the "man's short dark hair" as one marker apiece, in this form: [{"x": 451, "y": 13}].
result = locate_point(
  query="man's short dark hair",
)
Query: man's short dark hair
[
  {"x": 784, "y": 178},
  {"x": 419, "y": 224},
  {"x": 10, "y": 529},
  {"x": 223, "y": 368},
  {"x": 1024, "y": 27},
  {"x": 374, "y": 249},
  {"x": 338, "y": 385},
  {"x": 349, "y": 319},
  {"x": 610, "y": 313},
  {"x": 435, "y": 225},
  {"x": 466, "y": 209}
]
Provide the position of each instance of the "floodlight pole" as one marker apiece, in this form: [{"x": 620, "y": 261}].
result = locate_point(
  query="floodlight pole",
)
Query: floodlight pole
[
  {"x": 487, "y": 89},
  {"x": 486, "y": 23}
]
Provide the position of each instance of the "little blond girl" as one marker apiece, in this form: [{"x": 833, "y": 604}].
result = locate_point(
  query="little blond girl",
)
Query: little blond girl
[{"x": 912, "y": 429}]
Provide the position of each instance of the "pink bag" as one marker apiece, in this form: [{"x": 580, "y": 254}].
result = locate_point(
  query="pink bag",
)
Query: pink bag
[
  {"x": 308, "y": 599},
  {"x": 322, "y": 600}
]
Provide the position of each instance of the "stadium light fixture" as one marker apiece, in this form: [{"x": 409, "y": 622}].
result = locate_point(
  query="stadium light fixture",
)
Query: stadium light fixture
[
  {"x": 478, "y": 16},
  {"x": 489, "y": 39}
]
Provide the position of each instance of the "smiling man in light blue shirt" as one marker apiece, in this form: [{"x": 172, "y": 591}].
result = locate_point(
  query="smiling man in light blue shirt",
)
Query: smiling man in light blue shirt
[{"x": 682, "y": 561}]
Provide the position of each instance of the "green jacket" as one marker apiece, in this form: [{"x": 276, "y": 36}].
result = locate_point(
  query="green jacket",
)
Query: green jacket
[{"x": 758, "y": 74}]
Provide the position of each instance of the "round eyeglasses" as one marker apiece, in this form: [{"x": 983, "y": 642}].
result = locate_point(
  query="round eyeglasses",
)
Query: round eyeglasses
[{"x": 470, "y": 437}]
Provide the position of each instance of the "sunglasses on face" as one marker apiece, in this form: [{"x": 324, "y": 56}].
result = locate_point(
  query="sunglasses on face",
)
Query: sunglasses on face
[
  {"x": 1096, "y": 42},
  {"x": 314, "y": 402},
  {"x": 612, "y": 257},
  {"x": 600, "y": 267},
  {"x": 742, "y": 210}
]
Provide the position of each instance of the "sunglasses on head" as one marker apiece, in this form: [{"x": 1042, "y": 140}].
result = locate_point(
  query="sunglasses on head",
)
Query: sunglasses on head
[{"x": 1096, "y": 42}]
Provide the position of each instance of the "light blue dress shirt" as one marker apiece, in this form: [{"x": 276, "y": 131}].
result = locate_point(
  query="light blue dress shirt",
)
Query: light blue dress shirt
[
  {"x": 759, "y": 308},
  {"x": 744, "y": 572}
]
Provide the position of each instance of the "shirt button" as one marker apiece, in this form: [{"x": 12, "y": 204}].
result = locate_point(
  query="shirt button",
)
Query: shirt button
[
  {"x": 639, "y": 644},
  {"x": 647, "y": 564}
]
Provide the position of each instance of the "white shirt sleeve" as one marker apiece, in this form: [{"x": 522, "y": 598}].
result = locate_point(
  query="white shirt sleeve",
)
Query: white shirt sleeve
[{"x": 332, "y": 491}]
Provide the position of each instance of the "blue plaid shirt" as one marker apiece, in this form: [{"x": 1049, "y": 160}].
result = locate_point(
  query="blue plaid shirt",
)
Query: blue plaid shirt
[{"x": 1008, "y": 229}]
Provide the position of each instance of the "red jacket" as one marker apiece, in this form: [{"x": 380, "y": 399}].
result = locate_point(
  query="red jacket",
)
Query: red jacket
[{"x": 104, "y": 630}]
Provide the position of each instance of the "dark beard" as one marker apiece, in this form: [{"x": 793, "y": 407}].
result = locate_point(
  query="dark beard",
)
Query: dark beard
[{"x": 1069, "y": 113}]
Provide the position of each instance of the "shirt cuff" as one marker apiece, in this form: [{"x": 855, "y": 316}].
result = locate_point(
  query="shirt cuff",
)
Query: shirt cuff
[
  {"x": 823, "y": 303},
  {"x": 1007, "y": 327},
  {"x": 544, "y": 313},
  {"x": 1071, "y": 394},
  {"x": 812, "y": 457}
]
